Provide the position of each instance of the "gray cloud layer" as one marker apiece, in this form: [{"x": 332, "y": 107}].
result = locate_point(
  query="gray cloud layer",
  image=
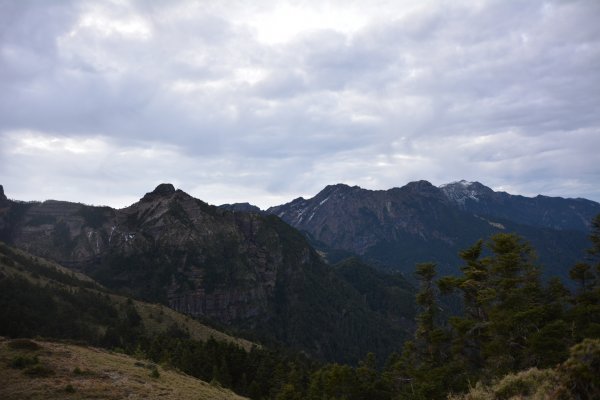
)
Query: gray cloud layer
[{"x": 100, "y": 101}]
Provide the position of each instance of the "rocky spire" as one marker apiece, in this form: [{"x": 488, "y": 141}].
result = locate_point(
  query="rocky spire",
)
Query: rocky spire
[{"x": 2, "y": 195}]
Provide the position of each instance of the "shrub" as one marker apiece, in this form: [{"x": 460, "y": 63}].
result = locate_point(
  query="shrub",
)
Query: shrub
[
  {"x": 579, "y": 375},
  {"x": 154, "y": 373},
  {"x": 82, "y": 372},
  {"x": 21, "y": 362},
  {"x": 534, "y": 383}
]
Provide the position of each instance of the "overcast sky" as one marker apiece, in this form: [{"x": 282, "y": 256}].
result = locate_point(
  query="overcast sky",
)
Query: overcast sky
[{"x": 232, "y": 101}]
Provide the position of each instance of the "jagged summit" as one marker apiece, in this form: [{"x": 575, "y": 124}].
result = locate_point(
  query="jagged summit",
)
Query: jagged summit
[
  {"x": 340, "y": 186},
  {"x": 2, "y": 195},
  {"x": 462, "y": 183},
  {"x": 419, "y": 187},
  {"x": 164, "y": 189},
  {"x": 420, "y": 183},
  {"x": 462, "y": 191}
]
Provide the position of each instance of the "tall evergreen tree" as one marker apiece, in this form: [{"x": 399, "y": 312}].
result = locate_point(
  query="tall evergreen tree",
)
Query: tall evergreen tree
[
  {"x": 426, "y": 370},
  {"x": 502, "y": 298}
]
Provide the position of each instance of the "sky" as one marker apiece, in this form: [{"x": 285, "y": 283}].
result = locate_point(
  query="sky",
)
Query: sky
[{"x": 263, "y": 102}]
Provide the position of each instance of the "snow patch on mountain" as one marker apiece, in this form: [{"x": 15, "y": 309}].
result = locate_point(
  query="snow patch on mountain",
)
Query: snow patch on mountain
[{"x": 460, "y": 191}]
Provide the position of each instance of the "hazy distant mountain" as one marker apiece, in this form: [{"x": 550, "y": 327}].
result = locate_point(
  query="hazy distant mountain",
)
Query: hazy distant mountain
[
  {"x": 399, "y": 227},
  {"x": 241, "y": 270}
]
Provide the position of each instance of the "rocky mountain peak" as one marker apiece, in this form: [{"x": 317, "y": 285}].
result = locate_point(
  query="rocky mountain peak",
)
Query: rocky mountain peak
[
  {"x": 162, "y": 190},
  {"x": 241, "y": 207},
  {"x": 420, "y": 188},
  {"x": 339, "y": 189},
  {"x": 337, "y": 186},
  {"x": 2, "y": 195},
  {"x": 466, "y": 185},
  {"x": 419, "y": 185},
  {"x": 461, "y": 191}
]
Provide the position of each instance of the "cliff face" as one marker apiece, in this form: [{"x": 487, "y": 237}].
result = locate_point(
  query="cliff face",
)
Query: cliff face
[{"x": 244, "y": 270}]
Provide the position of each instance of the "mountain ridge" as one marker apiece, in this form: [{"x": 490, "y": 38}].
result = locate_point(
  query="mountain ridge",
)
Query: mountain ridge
[
  {"x": 546, "y": 211},
  {"x": 401, "y": 226},
  {"x": 246, "y": 271}
]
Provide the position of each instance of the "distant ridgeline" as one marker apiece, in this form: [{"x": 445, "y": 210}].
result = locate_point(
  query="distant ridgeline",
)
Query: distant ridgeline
[{"x": 395, "y": 229}]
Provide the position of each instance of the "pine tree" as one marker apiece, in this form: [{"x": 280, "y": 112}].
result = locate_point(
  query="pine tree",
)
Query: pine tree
[
  {"x": 471, "y": 329},
  {"x": 503, "y": 303},
  {"x": 426, "y": 369}
]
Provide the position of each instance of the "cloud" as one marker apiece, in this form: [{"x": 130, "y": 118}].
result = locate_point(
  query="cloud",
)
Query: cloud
[{"x": 262, "y": 103}]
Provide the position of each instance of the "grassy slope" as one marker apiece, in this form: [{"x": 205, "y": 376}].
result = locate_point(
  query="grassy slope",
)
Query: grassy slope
[
  {"x": 100, "y": 374},
  {"x": 156, "y": 318}
]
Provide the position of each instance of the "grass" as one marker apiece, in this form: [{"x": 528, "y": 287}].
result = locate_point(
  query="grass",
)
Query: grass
[{"x": 67, "y": 371}]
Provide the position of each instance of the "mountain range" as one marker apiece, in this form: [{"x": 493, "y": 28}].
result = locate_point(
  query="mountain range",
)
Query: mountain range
[
  {"x": 396, "y": 228},
  {"x": 242, "y": 271},
  {"x": 299, "y": 274}
]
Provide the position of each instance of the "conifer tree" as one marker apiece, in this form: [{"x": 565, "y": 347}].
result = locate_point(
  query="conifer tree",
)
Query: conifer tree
[
  {"x": 425, "y": 369},
  {"x": 503, "y": 301}
]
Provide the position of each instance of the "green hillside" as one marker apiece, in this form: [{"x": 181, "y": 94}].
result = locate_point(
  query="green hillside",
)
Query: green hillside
[{"x": 41, "y": 298}]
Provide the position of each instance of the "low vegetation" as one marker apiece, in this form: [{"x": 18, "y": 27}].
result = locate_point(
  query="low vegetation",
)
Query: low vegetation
[
  {"x": 68, "y": 371},
  {"x": 577, "y": 378}
]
